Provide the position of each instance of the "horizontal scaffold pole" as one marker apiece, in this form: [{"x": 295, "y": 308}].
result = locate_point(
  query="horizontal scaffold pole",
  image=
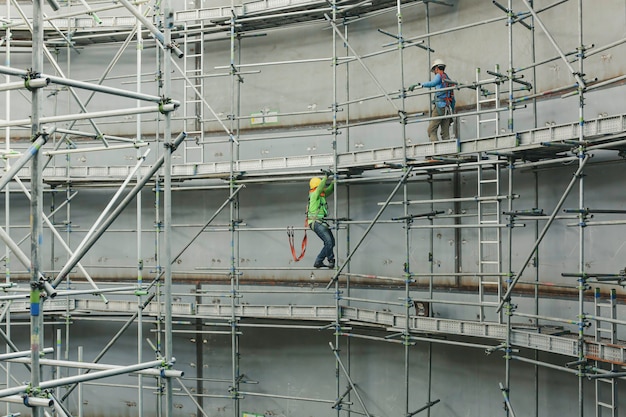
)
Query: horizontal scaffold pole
[
  {"x": 92, "y": 115},
  {"x": 59, "y": 382},
  {"x": 82, "y": 85},
  {"x": 99, "y": 367}
]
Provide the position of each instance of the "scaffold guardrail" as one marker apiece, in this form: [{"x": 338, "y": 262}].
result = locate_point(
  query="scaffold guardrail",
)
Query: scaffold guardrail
[
  {"x": 563, "y": 344},
  {"x": 597, "y": 129}
]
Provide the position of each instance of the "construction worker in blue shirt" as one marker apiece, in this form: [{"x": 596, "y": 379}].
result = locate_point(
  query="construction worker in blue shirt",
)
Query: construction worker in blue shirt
[
  {"x": 316, "y": 219},
  {"x": 443, "y": 103}
]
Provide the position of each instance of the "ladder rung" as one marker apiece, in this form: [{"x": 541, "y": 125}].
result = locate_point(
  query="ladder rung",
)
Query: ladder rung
[
  {"x": 604, "y": 305},
  {"x": 489, "y": 262},
  {"x": 605, "y": 405},
  {"x": 609, "y": 381},
  {"x": 488, "y": 222},
  {"x": 602, "y": 329},
  {"x": 487, "y": 242}
]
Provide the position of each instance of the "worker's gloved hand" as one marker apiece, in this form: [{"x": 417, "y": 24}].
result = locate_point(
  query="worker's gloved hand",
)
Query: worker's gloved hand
[
  {"x": 328, "y": 172},
  {"x": 414, "y": 86}
]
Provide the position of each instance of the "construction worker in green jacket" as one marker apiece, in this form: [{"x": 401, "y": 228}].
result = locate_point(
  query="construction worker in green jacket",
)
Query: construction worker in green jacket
[{"x": 316, "y": 218}]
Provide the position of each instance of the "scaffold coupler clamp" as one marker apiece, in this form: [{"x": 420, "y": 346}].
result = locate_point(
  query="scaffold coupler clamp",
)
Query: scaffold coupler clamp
[
  {"x": 33, "y": 80},
  {"x": 44, "y": 284},
  {"x": 30, "y": 392},
  {"x": 166, "y": 366},
  {"x": 167, "y": 105},
  {"x": 403, "y": 116}
]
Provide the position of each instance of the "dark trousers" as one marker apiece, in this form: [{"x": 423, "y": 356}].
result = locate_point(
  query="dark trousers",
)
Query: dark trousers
[{"x": 323, "y": 231}]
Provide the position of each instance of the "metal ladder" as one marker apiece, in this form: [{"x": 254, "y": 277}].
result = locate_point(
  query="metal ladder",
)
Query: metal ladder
[
  {"x": 193, "y": 107},
  {"x": 489, "y": 238},
  {"x": 606, "y": 388},
  {"x": 484, "y": 97}
]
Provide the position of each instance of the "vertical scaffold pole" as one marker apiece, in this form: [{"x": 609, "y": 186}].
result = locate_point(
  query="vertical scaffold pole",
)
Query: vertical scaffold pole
[
  {"x": 337, "y": 323},
  {"x": 167, "y": 204},
  {"x": 139, "y": 203},
  {"x": 7, "y": 198},
  {"x": 510, "y": 125},
  {"x": 582, "y": 214},
  {"x": 406, "y": 336},
  {"x": 509, "y": 308},
  {"x": 234, "y": 216},
  {"x": 36, "y": 208}
]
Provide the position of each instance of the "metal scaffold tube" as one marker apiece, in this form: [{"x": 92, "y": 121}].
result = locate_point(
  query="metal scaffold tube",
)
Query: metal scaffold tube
[
  {"x": 574, "y": 180},
  {"x": 71, "y": 263},
  {"x": 36, "y": 209},
  {"x": 372, "y": 223},
  {"x": 53, "y": 383},
  {"x": 240, "y": 311}
]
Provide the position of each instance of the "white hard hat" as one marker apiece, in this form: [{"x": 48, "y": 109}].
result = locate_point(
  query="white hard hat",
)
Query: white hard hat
[{"x": 437, "y": 63}]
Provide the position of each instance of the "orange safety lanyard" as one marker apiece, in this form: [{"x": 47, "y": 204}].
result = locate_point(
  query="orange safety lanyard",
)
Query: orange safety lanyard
[{"x": 290, "y": 236}]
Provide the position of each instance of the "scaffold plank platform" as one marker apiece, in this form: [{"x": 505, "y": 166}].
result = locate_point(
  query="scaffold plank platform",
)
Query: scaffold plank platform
[
  {"x": 532, "y": 145},
  {"x": 563, "y": 344}
]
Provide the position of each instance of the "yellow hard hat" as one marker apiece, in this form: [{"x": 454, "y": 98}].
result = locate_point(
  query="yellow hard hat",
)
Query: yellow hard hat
[{"x": 315, "y": 181}]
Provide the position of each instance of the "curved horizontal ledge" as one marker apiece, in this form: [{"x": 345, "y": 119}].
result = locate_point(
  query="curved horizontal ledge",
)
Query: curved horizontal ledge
[
  {"x": 563, "y": 344},
  {"x": 543, "y": 143}
]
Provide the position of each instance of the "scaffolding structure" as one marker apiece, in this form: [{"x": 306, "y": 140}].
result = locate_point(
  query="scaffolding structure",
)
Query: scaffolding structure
[{"x": 193, "y": 130}]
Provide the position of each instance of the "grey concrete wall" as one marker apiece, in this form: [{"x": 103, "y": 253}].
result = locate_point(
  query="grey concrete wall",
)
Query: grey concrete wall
[{"x": 299, "y": 363}]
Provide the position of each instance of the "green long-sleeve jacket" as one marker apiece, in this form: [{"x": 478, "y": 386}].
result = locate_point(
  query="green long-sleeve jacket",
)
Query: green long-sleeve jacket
[{"x": 318, "y": 208}]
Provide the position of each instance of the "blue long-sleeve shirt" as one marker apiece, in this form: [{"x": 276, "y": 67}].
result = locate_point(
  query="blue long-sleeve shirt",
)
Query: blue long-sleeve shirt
[{"x": 440, "y": 97}]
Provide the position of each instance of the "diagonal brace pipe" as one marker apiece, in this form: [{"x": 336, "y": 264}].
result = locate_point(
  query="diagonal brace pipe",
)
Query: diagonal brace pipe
[
  {"x": 575, "y": 178},
  {"x": 115, "y": 338},
  {"x": 380, "y": 212},
  {"x": 19, "y": 164},
  {"x": 345, "y": 41},
  {"x": 116, "y": 196},
  {"x": 505, "y": 394},
  {"x": 57, "y": 235},
  {"x": 347, "y": 375},
  {"x": 153, "y": 29},
  {"x": 71, "y": 263},
  {"x": 4, "y": 236},
  {"x": 576, "y": 75},
  {"x": 228, "y": 200}
]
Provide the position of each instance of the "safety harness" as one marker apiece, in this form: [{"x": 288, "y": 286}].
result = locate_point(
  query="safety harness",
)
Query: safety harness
[
  {"x": 290, "y": 230},
  {"x": 449, "y": 94},
  {"x": 291, "y": 234}
]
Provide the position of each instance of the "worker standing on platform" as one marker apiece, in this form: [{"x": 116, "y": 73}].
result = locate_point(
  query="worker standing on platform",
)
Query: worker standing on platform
[
  {"x": 443, "y": 103},
  {"x": 316, "y": 218}
]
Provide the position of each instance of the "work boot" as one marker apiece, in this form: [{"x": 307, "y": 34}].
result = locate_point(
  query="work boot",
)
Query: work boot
[
  {"x": 319, "y": 264},
  {"x": 331, "y": 264}
]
